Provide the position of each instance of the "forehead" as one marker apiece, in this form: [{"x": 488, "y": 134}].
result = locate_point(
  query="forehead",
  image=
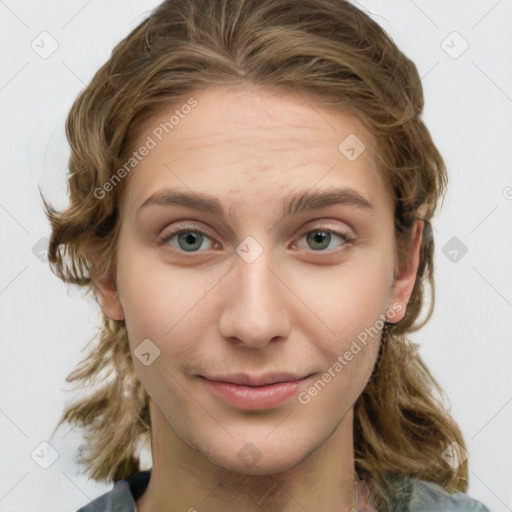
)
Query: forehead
[{"x": 237, "y": 140}]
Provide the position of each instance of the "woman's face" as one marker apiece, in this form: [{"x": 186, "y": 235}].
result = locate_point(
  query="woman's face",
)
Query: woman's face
[{"x": 274, "y": 282}]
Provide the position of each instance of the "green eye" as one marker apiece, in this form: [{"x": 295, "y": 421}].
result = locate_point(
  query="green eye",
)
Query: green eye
[
  {"x": 190, "y": 241},
  {"x": 320, "y": 239},
  {"x": 187, "y": 239}
]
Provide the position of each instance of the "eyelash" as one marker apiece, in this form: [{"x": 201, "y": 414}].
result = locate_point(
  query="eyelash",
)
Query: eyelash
[{"x": 179, "y": 229}]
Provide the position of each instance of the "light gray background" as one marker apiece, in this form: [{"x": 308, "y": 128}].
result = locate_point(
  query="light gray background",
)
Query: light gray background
[{"x": 468, "y": 342}]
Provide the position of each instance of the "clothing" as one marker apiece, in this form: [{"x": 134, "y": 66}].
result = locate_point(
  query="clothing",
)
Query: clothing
[{"x": 425, "y": 497}]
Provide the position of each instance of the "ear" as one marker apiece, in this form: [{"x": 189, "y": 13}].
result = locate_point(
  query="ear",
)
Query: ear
[
  {"x": 405, "y": 276},
  {"x": 107, "y": 295}
]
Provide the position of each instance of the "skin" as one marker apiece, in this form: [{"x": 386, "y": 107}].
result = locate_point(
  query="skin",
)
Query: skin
[{"x": 294, "y": 308}]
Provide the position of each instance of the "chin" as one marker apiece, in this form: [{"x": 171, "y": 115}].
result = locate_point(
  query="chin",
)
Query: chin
[
  {"x": 274, "y": 465},
  {"x": 257, "y": 457}
]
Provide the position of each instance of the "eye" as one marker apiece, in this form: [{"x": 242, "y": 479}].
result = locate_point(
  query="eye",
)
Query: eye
[
  {"x": 187, "y": 239},
  {"x": 320, "y": 238}
]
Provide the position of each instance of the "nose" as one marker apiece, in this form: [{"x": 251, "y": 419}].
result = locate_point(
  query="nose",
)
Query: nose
[{"x": 254, "y": 309}]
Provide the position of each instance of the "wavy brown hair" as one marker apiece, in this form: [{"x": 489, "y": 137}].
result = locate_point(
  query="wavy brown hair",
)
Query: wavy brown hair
[{"x": 336, "y": 56}]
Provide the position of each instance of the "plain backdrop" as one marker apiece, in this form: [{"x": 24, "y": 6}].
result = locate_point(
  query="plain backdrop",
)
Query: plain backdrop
[{"x": 462, "y": 50}]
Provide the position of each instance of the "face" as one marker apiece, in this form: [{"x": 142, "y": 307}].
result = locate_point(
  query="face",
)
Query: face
[{"x": 241, "y": 279}]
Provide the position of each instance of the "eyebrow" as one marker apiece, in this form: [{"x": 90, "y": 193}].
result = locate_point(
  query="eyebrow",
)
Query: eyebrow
[{"x": 298, "y": 203}]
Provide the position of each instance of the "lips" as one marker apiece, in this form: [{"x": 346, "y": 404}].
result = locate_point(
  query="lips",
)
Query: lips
[
  {"x": 243, "y": 379},
  {"x": 251, "y": 392}
]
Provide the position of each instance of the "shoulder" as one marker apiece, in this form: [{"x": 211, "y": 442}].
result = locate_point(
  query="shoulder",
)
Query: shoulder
[
  {"x": 122, "y": 496},
  {"x": 118, "y": 499},
  {"x": 431, "y": 497}
]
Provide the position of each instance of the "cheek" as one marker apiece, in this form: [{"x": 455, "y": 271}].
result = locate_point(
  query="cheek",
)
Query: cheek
[
  {"x": 156, "y": 297},
  {"x": 351, "y": 302},
  {"x": 351, "y": 296}
]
